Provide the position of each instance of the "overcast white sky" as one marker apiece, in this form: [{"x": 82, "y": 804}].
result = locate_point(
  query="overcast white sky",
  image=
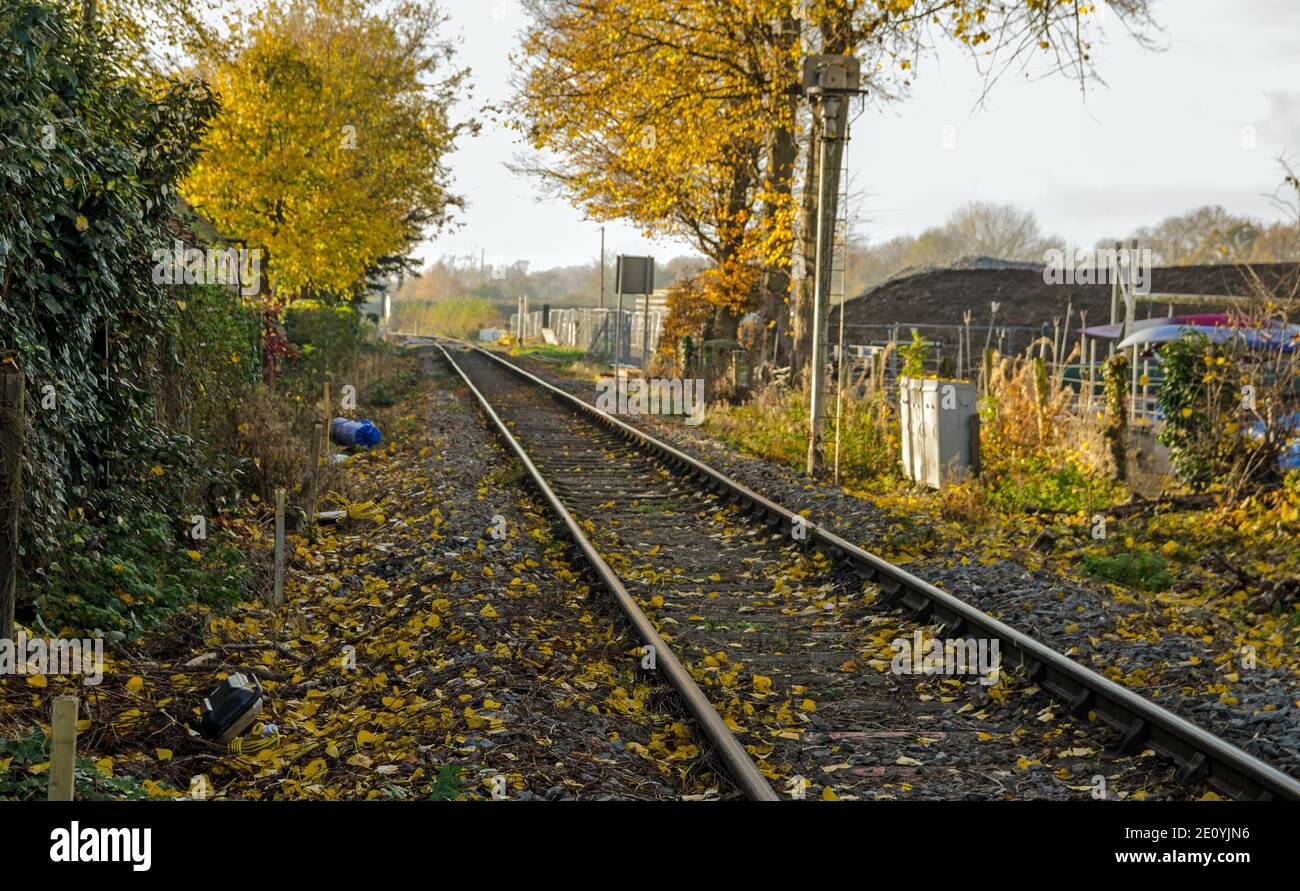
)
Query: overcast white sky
[{"x": 1166, "y": 133}]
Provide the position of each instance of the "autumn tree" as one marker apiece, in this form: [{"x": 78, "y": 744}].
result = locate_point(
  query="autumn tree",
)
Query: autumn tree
[
  {"x": 670, "y": 113},
  {"x": 153, "y": 39},
  {"x": 684, "y": 115},
  {"x": 329, "y": 154},
  {"x": 892, "y": 36},
  {"x": 1212, "y": 234}
]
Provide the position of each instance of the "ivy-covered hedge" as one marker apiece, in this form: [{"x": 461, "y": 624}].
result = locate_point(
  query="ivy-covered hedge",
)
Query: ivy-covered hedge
[
  {"x": 89, "y": 161},
  {"x": 324, "y": 335}
]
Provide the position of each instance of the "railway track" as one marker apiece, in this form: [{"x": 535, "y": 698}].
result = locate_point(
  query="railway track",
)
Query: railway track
[{"x": 781, "y": 638}]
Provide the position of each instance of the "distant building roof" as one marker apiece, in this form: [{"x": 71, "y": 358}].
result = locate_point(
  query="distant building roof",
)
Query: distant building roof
[{"x": 940, "y": 296}]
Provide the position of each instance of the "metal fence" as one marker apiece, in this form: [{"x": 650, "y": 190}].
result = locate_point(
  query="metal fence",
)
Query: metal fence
[
  {"x": 594, "y": 330},
  {"x": 957, "y": 351}
]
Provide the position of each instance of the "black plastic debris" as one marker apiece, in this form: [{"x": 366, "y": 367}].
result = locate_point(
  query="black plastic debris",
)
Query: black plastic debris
[
  {"x": 230, "y": 708},
  {"x": 1045, "y": 541}
]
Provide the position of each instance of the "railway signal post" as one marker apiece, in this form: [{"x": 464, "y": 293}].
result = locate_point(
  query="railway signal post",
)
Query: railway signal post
[{"x": 828, "y": 82}]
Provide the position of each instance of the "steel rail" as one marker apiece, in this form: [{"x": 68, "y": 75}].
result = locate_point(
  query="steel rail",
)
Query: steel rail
[
  {"x": 739, "y": 765},
  {"x": 1200, "y": 755}
]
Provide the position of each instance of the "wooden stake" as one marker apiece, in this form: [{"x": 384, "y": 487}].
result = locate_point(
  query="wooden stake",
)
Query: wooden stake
[
  {"x": 313, "y": 477},
  {"x": 329, "y": 422},
  {"x": 1146, "y": 384},
  {"x": 1133, "y": 388},
  {"x": 12, "y": 424},
  {"x": 277, "y": 592},
  {"x": 1092, "y": 371},
  {"x": 63, "y": 748}
]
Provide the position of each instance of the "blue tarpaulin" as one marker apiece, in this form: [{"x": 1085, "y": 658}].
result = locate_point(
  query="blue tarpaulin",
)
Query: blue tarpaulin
[{"x": 354, "y": 433}]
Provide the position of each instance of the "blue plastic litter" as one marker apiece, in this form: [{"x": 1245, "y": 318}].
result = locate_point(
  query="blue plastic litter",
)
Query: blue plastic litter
[{"x": 354, "y": 433}]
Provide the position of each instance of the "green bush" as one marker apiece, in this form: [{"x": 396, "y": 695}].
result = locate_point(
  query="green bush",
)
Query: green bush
[
  {"x": 127, "y": 575},
  {"x": 1199, "y": 399},
  {"x": 18, "y": 782},
  {"x": 198, "y": 389},
  {"x": 914, "y": 355},
  {"x": 1137, "y": 569},
  {"x": 774, "y": 425},
  {"x": 389, "y": 391},
  {"x": 458, "y": 317},
  {"x": 328, "y": 339},
  {"x": 1042, "y": 481}
]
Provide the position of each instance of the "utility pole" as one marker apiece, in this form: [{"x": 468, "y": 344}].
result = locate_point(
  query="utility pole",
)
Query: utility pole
[
  {"x": 645, "y": 319},
  {"x": 828, "y": 82},
  {"x": 618, "y": 329},
  {"x": 634, "y": 276},
  {"x": 602, "y": 267}
]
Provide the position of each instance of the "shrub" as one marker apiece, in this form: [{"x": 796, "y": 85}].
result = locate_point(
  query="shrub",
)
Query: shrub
[
  {"x": 390, "y": 390},
  {"x": 965, "y": 502},
  {"x": 1029, "y": 453},
  {"x": 200, "y": 385},
  {"x": 458, "y": 317},
  {"x": 914, "y": 355},
  {"x": 1045, "y": 481},
  {"x": 1137, "y": 569},
  {"x": 129, "y": 574},
  {"x": 689, "y": 316},
  {"x": 274, "y": 442},
  {"x": 1115, "y": 377},
  {"x": 328, "y": 340},
  {"x": 774, "y": 425},
  {"x": 1205, "y": 424},
  {"x": 24, "y": 780}
]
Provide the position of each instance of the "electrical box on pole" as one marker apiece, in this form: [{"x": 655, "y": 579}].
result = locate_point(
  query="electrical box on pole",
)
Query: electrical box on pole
[{"x": 831, "y": 75}]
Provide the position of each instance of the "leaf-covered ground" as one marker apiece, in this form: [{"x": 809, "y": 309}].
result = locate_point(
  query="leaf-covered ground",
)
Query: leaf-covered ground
[
  {"x": 796, "y": 656},
  {"x": 418, "y": 656},
  {"x": 1219, "y": 644}
]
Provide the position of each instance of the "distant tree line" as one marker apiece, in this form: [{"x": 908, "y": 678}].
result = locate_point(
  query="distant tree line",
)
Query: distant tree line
[
  {"x": 502, "y": 284},
  {"x": 1205, "y": 235}
]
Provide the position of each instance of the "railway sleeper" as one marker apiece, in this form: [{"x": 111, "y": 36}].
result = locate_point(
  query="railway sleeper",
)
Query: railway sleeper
[{"x": 1197, "y": 754}]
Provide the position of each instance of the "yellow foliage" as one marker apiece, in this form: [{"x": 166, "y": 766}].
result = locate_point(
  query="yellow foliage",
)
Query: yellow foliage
[{"x": 328, "y": 153}]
